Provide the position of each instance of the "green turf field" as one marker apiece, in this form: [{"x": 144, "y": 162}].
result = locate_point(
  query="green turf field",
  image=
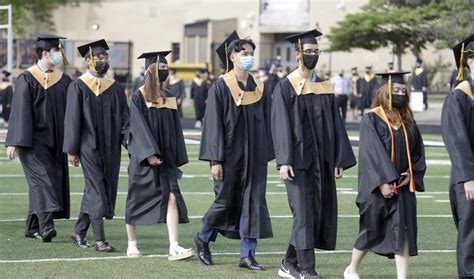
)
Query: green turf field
[{"x": 23, "y": 257}]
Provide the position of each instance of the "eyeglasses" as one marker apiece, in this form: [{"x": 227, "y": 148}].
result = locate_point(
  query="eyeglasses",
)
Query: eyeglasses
[{"x": 312, "y": 52}]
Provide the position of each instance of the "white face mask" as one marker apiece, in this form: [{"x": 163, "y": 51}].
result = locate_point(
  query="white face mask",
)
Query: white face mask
[
  {"x": 57, "y": 58},
  {"x": 246, "y": 62}
]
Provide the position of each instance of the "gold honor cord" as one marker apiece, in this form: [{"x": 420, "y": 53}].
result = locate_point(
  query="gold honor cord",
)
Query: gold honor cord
[
  {"x": 461, "y": 62},
  {"x": 61, "y": 47}
]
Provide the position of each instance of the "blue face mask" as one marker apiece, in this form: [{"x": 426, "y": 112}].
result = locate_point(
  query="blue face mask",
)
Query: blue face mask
[
  {"x": 57, "y": 57},
  {"x": 246, "y": 63}
]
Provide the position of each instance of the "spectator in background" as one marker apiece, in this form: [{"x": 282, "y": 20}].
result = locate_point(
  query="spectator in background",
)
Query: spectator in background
[
  {"x": 355, "y": 92},
  {"x": 342, "y": 88},
  {"x": 199, "y": 89},
  {"x": 139, "y": 81},
  {"x": 419, "y": 81},
  {"x": 368, "y": 86},
  {"x": 390, "y": 67},
  {"x": 176, "y": 87}
]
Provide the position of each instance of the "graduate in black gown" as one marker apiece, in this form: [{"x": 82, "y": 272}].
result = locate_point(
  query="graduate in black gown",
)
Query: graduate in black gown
[
  {"x": 199, "y": 92},
  {"x": 391, "y": 168},
  {"x": 36, "y": 134},
  {"x": 311, "y": 149},
  {"x": 97, "y": 120},
  {"x": 457, "y": 125},
  {"x": 419, "y": 81},
  {"x": 236, "y": 140},
  {"x": 176, "y": 87},
  {"x": 368, "y": 86},
  {"x": 6, "y": 95},
  {"x": 356, "y": 84},
  {"x": 156, "y": 147}
]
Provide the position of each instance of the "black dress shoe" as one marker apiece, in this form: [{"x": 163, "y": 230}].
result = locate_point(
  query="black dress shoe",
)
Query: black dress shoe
[
  {"x": 104, "y": 247},
  {"x": 48, "y": 235},
  {"x": 79, "y": 241},
  {"x": 203, "y": 251},
  {"x": 250, "y": 263}
]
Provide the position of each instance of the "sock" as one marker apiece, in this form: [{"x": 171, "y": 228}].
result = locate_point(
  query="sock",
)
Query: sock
[{"x": 132, "y": 243}]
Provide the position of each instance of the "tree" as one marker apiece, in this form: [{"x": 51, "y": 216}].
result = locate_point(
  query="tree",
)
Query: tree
[
  {"x": 26, "y": 12},
  {"x": 402, "y": 25}
]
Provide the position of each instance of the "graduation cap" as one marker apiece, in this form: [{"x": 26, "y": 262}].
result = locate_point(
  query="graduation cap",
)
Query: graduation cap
[
  {"x": 299, "y": 39},
  {"x": 224, "y": 49},
  {"x": 6, "y": 73},
  {"x": 390, "y": 78},
  {"x": 153, "y": 57},
  {"x": 466, "y": 46},
  {"x": 94, "y": 48},
  {"x": 46, "y": 41}
]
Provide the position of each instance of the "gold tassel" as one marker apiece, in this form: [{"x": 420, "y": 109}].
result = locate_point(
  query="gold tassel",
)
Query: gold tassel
[
  {"x": 226, "y": 58},
  {"x": 461, "y": 62},
  {"x": 300, "y": 54},
  {"x": 390, "y": 92},
  {"x": 65, "y": 62},
  {"x": 157, "y": 74},
  {"x": 92, "y": 61}
]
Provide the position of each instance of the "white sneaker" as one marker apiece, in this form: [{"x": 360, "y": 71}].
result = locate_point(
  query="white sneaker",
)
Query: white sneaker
[
  {"x": 348, "y": 275},
  {"x": 133, "y": 252},
  {"x": 198, "y": 125},
  {"x": 177, "y": 253}
]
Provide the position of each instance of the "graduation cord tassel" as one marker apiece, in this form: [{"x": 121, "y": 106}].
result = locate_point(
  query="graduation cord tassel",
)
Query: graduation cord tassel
[
  {"x": 390, "y": 92},
  {"x": 300, "y": 54},
  {"x": 61, "y": 47},
  {"x": 226, "y": 58},
  {"x": 460, "y": 75}
]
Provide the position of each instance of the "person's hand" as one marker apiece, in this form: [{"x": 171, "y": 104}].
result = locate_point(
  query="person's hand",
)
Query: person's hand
[
  {"x": 154, "y": 161},
  {"x": 338, "y": 172},
  {"x": 217, "y": 172},
  {"x": 469, "y": 189},
  {"x": 286, "y": 172},
  {"x": 386, "y": 190},
  {"x": 12, "y": 151},
  {"x": 404, "y": 179},
  {"x": 73, "y": 159}
]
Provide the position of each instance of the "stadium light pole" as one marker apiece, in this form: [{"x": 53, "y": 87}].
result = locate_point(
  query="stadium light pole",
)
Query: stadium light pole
[{"x": 9, "y": 27}]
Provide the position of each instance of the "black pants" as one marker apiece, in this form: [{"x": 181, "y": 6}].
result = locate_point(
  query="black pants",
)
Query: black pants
[
  {"x": 304, "y": 258},
  {"x": 39, "y": 223},
  {"x": 83, "y": 223},
  {"x": 341, "y": 103}
]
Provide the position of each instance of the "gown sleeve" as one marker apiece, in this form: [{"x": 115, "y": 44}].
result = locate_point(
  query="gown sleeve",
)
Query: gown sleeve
[
  {"x": 375, "y": 166},
  {"x": 344, "y": 154},
  {"x": 125, "y": 118},
  {"x": 20, "y": 130},
  {"x": 72, "y": 120},
  {"x": 281, "y": 127},
  {"x": 418, "y": 159},
  {"x": 267, "y": 110},
  {"x": 142, "y": 143},
  {"x": 212, "y": 141},
  {"x": 456, "y": 138}
]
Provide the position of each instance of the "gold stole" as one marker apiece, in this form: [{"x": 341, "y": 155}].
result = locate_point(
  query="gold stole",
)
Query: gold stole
[
  {"x": 169, "y": 102},
  {"x": 418, "y": 71},
  {"x": 45, "y": 79},
  {"x": 465, "y": 87},
  {"x": 5, "y": 84},
  {"x": 173, "y": 80},
  {"x": 354, "y": 85},
  {"x": 241, "y": 97},
  {"x": 198, "y": 81},
  {"x": 304, "y": 87},
  {"x": 95, "y": 84},
  {"x": 368, "y": 77},
  {"x": 379, "y": 111}
]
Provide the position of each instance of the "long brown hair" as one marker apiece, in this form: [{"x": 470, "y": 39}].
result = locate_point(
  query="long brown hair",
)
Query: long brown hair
[
  {"x": 154, "y": 89},
  {"x": 381, "y": 99}
]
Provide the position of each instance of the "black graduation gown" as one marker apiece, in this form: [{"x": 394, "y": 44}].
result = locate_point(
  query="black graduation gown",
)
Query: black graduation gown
[
  {"x": 97, "y": 125},
  {"x": 36, "y": 127},
  {"x": 384, "y": 222},
  {"x": 419, "y": 81},
  {"x": 6, "y": 94},
  {"x": 199, "y": 93},
  {"x": 155, "y": 129},
  {"x": 308, "y": 133},
  {"x": 176, "y": 88},
  {"x": 271, "y": 82},
  {"x": 239, "y": 138},
  {"x": 368, "y": 87},
  {"x": 457, "y": 125}
]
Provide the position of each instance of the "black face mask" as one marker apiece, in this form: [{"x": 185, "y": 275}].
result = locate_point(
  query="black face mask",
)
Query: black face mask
[
  {"x": 398, "y": 101},
  {"x": 163, "y": 75},
  {"x": 310, "y": 61},
  {"x": 101, "y": 67}
]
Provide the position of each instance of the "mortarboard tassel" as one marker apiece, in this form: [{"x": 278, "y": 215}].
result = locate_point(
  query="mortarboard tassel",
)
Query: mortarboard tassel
[
  {"x": 226, "y": 58},
  {"x": 300, "y": 54},
  {"x": 461, "y": 62},
  {"x": 61, "y": 47},
  {"x": 92, "y": 61},
  {"x": 390, "y": 92},
  {"x": 157, "y": 74}
]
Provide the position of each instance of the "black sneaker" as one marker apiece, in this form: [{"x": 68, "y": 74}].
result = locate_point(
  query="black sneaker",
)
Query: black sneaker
[
  {"x": 48, "y": 235},
  {"x": 288, "y": 270},
  {"x": 306, "y": 274}
]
